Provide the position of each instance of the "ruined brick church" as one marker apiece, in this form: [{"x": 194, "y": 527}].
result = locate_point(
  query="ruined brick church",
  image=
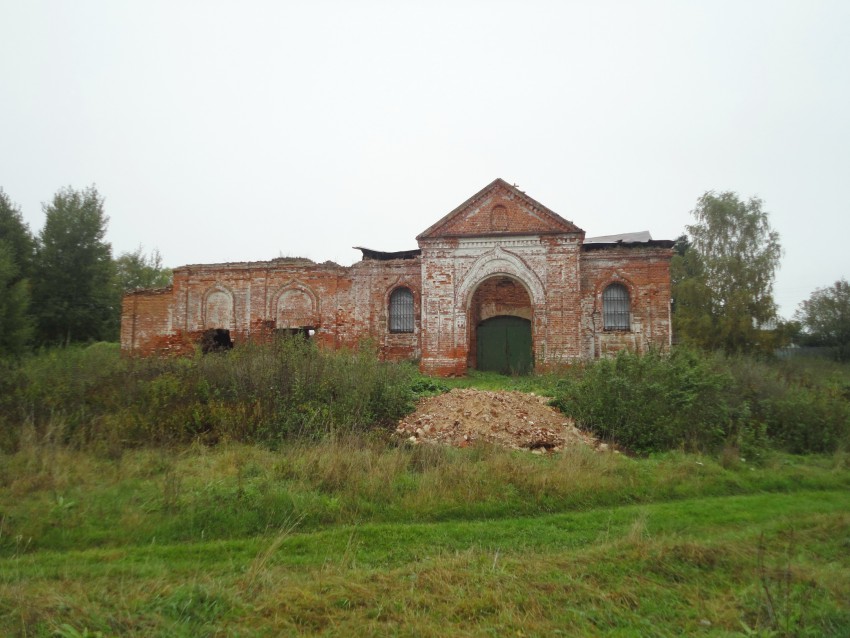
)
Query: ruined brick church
[{"x": 500, "y": 283}]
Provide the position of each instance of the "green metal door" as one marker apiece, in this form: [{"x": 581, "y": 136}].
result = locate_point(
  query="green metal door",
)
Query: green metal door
[{"x": 504, "y": 345}]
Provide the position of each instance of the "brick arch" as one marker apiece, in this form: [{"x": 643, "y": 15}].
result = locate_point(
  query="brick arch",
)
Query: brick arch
[
  {"x": 499, "y": 295},
  {"x": 402, "y": 282},
  {"x": 500, "y": 262},
  {"x": 493, "y": 299},
  {"x": 295, "y": 305},
  {"x": 499, "y": 218},
  {"x": 603, "y": 283},
  {"x": 218, "y": 307}
]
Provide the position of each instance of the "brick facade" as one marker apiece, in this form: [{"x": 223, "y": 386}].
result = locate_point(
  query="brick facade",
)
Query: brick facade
[{"x": 498, "y": 253}]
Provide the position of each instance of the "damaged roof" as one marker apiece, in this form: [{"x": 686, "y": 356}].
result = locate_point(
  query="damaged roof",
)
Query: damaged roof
[
  {"x": 639, "y": 238},
  {"x": 381, "y": 255},
  {"x": 628, "y": 238}
]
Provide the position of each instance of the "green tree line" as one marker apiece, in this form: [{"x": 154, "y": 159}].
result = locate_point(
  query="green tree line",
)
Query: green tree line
[
  {"x": 722, "y": 274},
  {"x": 63, "y": 285}
]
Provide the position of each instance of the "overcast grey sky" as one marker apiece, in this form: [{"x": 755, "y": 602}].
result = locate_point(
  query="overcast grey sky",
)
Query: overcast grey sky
[{"x": 237, "y": 131}]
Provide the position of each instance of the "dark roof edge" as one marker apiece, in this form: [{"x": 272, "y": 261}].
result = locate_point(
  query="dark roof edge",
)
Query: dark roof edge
[
  {"x": 381, "y": 255},
  {"x": 149, "y": 291},
  {"x": 652, "y": 243}
]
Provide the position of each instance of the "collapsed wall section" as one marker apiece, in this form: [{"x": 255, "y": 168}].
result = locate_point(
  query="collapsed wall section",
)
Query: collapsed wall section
[
  {"x": 338, "y": 306},
  {"x": 256, "y": 300},
  {"x": 146, "y": 322}
]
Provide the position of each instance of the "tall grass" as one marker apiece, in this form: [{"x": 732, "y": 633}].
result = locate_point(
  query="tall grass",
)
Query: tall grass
[
  {"x": 652, "y": 402},
  {"x": 376, "y": 539},
  {"x": 802, "y": 406},
  {"x": 90, "y": 395}
]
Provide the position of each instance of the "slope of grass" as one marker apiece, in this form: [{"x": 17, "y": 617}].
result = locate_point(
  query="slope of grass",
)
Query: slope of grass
[
  {"x": 332, "y": 528},
  {"x": 57, "y": 498},
  {"x": 346, "y": 539}
]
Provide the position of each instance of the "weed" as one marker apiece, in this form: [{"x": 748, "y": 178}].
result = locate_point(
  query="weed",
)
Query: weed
[
  {"x": 171, "y": 489},
  {"x": 396, "y": 540},
  {"x": 259, "y": 565},
  {"x": 785, "y": 597},
  {"x": 91, "y": 397},
  {"x": 192, "y": 610},
  {"x": 687, "y": 400}
]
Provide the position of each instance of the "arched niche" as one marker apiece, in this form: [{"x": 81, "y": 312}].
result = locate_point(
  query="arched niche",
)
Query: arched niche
[
  {"x": 296, "y": 307},
  {"x": 218, "y": 308}
]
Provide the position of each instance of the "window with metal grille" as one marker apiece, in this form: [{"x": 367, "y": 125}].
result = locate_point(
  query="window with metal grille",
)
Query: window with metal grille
[
  {"x": 401, "y": 310},
  {"x": 615, "y": 308}
]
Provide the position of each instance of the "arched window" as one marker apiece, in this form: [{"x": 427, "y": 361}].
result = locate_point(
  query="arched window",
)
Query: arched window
[
  {"x": 401, "y": 310},
  {"x": 615, "y": 308}
]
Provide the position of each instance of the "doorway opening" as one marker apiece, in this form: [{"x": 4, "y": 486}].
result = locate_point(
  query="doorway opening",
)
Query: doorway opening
[
  {"x": 216, "y": 340},
  {"x": 500, "y": 316}
]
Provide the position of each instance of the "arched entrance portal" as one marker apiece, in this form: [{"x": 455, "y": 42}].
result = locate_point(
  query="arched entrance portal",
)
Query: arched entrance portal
[{"x": 500, "y": 317}]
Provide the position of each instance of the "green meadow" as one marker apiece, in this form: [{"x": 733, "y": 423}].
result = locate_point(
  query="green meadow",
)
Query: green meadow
[{"x": 333, "y": 528}]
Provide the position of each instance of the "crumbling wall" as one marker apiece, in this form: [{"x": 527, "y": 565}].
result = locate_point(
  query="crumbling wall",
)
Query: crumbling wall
[
  {"x": 373, "y": 283},
  {"x": 253, "y": 301},
  {"x": 499, "y": 234},
  {"x": 645, "y": 272},
  {"x": 146, "y": 317}
]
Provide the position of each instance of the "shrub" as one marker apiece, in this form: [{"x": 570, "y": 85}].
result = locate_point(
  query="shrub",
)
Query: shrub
[
  {"x": 803, "y": 406},
  {"x": 652, "y": 402},
  {"x": 701, "y": 402}
]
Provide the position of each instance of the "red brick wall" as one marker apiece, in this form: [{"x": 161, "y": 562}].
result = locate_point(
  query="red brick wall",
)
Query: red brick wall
[
  {"x": 346, "y": 306},
  {"x": 373, "y": 282},
  {"x": 645, "y": 272},
  {"x": 464, "y": 284},
  {"x": 146, "y": 320},
  {"x": 499, "y": 233},
  {"x": 499, "y": 209},
  {"x": 500, "y": 212}
]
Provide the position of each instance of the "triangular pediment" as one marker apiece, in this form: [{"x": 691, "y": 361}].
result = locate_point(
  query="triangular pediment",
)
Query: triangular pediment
[{"x": 499, "y": 209}]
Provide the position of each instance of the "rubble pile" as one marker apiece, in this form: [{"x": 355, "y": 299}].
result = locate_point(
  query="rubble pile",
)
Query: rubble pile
[{"x": 513, "y": 419}]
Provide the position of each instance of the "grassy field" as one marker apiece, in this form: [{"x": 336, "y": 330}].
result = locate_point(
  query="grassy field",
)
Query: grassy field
[
  {"x": 361, "y": 536},
  {"x": 258, "y": 493}
]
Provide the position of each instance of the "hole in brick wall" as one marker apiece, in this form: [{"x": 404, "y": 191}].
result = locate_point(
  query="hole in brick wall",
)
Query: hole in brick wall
[
  {"x": 216, "y": 340},
  {"x": 307, "y": 332}
]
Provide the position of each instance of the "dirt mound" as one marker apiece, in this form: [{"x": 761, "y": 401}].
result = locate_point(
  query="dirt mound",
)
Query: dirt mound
[{"x": 513, "y": 419}]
